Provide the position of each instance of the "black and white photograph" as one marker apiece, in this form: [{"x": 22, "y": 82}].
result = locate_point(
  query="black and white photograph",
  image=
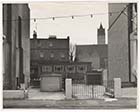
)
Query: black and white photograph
[{"x": 70, "y": 55}]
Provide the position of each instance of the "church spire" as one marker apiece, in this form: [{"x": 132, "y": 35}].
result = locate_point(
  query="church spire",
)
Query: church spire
[
  {"x": 101, "y": 35},
  {"x": 101, "y": 26}
]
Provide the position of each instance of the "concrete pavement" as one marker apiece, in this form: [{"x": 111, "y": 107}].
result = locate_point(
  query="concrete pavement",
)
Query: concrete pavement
[
  {"x": 123, "y": 103},
  {"x": 35, "y": 94},
  {"x": 129, "y": 92}
]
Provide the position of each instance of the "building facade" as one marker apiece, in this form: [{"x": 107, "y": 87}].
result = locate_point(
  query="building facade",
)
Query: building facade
[
  {"x": 51, "y": 49},
  {"x": 121, "y": 47},
  {"x": 48, "y": 50},
  {"x": 74, "y": 70},
  {"x": 16, "y": 45},
  {"x": 101, "y": 35},
  {"x": 51, "y": 56},
  {"x": 96, "y": 54}
]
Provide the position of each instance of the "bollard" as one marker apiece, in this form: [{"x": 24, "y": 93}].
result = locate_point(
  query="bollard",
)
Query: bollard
[
  {"x": 117, "y": 87},
  {"x": 68, "y": 88},
  {"x": 22, "y": 86},
  {"x": 105, "y": 77}
]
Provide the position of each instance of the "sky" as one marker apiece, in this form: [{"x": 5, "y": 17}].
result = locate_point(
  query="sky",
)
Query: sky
[{"x": 82, "y": 30}]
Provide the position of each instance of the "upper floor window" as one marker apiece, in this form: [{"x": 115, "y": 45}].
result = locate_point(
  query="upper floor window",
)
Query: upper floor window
[
  {"x": 50, "y": 44},
  {"x": 62, "y": 56},
  {"x": 52, "y": 55},
  {"x": 41, "y": 54}
]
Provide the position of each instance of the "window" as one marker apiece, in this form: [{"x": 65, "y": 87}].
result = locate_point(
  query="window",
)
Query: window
[
  {"x": 47, "y": 68},
  {"x": 81, "y": 68},
  {"x": 59, "y": 68},
  {"x": 41, "y": 54},
  {"x": 70, "y": 69},
  {"x": 50, "y": 44},
  {"x": 52, "y": 55},
  {"x": 38, "y": 43}
]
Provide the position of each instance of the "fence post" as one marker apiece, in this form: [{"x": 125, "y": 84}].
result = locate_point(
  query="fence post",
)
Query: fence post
[
  {"x": 105, "y": 77},
  {"x": 117, "y": 87},
  {"x": 68, "y": 88}
]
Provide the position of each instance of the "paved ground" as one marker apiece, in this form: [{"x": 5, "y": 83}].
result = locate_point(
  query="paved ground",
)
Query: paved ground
[
  {"x": 129, "y": 92},
  {"x": 124, "y": 103},
  {"x": 35, "y": 94},
  {"x": 56, "y": 100},
  {"x": 79, "y": 92}
]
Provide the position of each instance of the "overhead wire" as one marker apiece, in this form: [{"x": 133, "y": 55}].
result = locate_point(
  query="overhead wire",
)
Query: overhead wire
[
  {"x": 118, "y": 17},
  {"x": 67, "y": 16}
]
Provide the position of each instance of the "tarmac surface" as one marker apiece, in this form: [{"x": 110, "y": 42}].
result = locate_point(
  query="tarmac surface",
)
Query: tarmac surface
[{"x": 123, "y": 103}]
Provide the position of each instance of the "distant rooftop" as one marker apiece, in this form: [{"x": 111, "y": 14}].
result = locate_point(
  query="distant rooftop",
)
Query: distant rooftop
[{"x": 50, "y": 37}]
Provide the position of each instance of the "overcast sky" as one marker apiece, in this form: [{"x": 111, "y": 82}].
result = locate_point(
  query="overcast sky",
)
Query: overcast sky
[{"x": 82, "y": 30}]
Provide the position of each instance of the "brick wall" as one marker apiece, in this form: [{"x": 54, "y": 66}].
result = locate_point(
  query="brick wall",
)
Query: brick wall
[
  {"x": 118, "y": 62},
  {"x": 96, "y": 54},
  {"x": 12, "y": 13},
  {"x": 50, "y": 49}
]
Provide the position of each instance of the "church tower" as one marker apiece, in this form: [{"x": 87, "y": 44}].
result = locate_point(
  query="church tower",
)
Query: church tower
[{"x": 101, "y": 35}]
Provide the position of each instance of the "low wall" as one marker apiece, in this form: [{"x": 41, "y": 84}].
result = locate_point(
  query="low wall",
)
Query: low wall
[
  {"x": 51, "y": 82},
  {"x": 14, "y": 94}
]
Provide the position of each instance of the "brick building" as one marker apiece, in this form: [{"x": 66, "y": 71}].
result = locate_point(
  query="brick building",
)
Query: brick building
[
  {"x": 51, "y": 56},
  {"x": 122, "y": 42},
  {"x": 51, "y": 49},
  {"x": 96, "y": 54},
  {"x": 16, "y": 45},
  {"x": 48, "y": 50}
]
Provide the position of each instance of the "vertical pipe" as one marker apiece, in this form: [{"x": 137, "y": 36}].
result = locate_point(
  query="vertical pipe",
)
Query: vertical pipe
[{"x": 129, "y": 31}]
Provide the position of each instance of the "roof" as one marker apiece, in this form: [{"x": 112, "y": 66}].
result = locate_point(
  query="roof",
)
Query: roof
[
  {"x": 54, "y": 37},
  {"x": 41, "y": 38}
]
